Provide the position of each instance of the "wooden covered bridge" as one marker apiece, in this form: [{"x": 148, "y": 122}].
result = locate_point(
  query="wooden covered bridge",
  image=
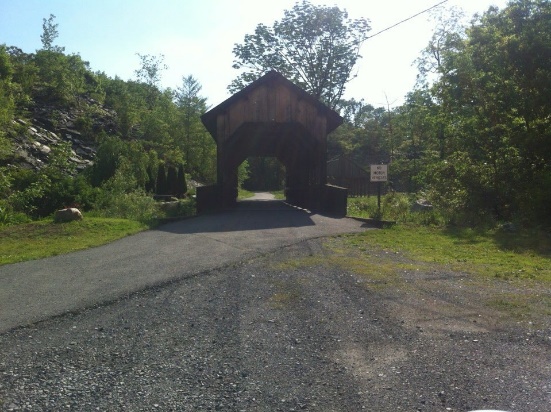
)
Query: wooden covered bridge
[{"x": 272, "y": 117}]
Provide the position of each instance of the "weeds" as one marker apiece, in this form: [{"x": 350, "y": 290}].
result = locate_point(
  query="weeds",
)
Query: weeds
[{"x": 394, "y": 206}]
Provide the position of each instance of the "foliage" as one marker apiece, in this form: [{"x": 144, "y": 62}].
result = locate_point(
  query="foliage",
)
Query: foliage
[
  {"x": 243, "y": 173},
  {"x": 198, "y": 147},
  {"x": 365, "y": 136},
  {"x": 265, "y": 174},
  {"x": 316, "y": 47},
  {"x": 473, "y": 136},
  {"x": 176, "y": 209},
  {"x": 396, "y": 207},
  {"x": 496, "y": 84},
  {"x": 121, "y": 197},
  {"x": 150, "y": 74},
  {"x": 135, "y": 205},
  {"x": 7, "y": 103},
  {"x": 49, "y": 34},
  {"x": 9, "y": 217}
]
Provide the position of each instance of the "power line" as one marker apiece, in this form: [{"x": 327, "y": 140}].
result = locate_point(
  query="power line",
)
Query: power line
[{"x": 409, "y": 18}]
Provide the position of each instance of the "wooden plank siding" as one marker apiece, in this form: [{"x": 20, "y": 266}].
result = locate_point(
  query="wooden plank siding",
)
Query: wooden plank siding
[{"x": 271, "y": 104}]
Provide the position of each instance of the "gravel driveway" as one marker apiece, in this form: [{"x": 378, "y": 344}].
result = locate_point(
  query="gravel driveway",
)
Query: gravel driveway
[{"x": 289, "y": 330}]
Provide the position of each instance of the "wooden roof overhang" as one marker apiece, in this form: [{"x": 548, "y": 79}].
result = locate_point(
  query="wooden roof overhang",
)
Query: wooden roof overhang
[{"x": 284, "y": 102}]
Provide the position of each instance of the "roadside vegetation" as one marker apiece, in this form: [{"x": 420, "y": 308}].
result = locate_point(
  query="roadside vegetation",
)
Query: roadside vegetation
[
  {"x": 506, "y": 251},
  {"x": 40, "y": 239},
  {"x": 496, "y": 253},
  {"x": 396, "y": 207},
  {"x": 244, "y": 194}
]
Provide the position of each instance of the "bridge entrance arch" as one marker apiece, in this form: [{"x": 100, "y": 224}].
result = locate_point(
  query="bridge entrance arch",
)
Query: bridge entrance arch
[{"x": 272, "y": 117}]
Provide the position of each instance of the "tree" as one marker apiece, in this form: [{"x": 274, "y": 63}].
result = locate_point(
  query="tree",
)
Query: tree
[
  {"x": 447, "y": 36},
  {"x": 150, "y": 74},
  {"x": 316, "y": 47},
  {"x": 123, "y": 97},
  {"x": 494, "y": 89},
  {"x": 24, "y": 76},
  {"x": 191, "y": 135},
  {"x": 49, "y": 34},
  {"x": 363, "y": 136},
  {"x": 6, "y": 98},
  {"x": 162, "y": 183}
]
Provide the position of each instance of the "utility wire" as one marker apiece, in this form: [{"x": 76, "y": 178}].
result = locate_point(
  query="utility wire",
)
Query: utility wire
[{"x": 409, "y": 18}]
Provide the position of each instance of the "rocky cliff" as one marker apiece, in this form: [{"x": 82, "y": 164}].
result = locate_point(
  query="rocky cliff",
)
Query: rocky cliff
[{"x": 33, "y": 138}]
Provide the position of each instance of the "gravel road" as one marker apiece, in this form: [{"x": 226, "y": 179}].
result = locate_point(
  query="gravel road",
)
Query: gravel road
[{"x": 290, "y": 330}]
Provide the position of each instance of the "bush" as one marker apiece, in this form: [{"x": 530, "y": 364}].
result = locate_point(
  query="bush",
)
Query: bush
[
  {"x": 135, "y": 205},
  {"x": 394, "y": 206},
  {"x": 9, "y": 217},
  {"x": 179, "y": 208}
]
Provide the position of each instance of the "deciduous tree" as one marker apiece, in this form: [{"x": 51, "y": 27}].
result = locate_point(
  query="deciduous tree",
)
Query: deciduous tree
[
  {"x": 316, "y": 47},
  {"x": 49, "y": 34}
]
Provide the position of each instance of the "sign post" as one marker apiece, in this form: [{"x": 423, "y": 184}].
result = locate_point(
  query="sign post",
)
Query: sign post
[{"x": 379, "y": 174}]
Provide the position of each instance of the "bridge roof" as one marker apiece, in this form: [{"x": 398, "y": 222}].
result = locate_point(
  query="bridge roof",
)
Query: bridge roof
[{"x": 272, "y": 78}]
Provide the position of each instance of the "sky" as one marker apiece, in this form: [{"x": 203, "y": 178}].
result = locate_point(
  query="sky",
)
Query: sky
[{"x": 197, "y": 37}]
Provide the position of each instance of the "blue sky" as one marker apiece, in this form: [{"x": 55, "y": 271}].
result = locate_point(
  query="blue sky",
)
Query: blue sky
[{"x": 197, "y": 36}]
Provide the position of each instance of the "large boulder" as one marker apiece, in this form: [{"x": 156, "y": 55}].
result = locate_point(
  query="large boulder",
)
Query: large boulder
[{"x": 67, "y": 215}]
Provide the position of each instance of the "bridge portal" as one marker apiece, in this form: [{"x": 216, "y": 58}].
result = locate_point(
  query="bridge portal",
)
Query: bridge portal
[{"x": 272, "y": 117}]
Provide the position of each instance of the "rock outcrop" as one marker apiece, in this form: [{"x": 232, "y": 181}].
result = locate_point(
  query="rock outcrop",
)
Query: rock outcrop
[{"x": 34, "y": 138}]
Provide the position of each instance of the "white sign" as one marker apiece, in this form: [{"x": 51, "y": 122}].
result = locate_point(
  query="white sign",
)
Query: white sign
[{"x": 379, "y": 173}]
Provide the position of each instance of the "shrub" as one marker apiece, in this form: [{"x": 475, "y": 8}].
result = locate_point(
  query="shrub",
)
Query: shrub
[
  {"x": 135, "y": 205},
  {"x": 394, "y": 206},
  {"x": 9, "y": 217}
]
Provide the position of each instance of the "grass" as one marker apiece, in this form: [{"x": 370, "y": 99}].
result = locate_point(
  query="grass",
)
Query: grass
[
  {"x": 413, "y": 259},
  {"x": 278, "y": 194},
  {"x": 44, "y": 238},
  {"x": 244, "y": 194},
  {"x": 378, "y": 270},
  {"x": 490, "y": 253}
]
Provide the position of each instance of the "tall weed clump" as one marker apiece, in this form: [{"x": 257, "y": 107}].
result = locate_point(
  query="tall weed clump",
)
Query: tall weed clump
[
  {"x": 394, "y": 206},
  {"x": 122, "y": 197}
]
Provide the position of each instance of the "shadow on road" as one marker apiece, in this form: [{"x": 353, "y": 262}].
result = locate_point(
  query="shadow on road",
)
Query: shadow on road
[{"x": 247, "y": 215}]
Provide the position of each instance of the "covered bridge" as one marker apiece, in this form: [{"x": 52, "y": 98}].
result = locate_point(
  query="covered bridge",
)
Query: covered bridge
[{"x": 272, "y": 117}]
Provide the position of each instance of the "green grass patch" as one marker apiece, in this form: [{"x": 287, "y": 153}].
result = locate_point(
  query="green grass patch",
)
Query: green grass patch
[
  {"x": 377, "y": 272},
  {"x": 486, "y": 253},
  {"x": 278, "y": 194},
  {"x": 44, "y": 238},
  {"x": 244, "y": 194},
  {"x": 522, "y": 305},
  {"x": 513, "y": 305}
]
